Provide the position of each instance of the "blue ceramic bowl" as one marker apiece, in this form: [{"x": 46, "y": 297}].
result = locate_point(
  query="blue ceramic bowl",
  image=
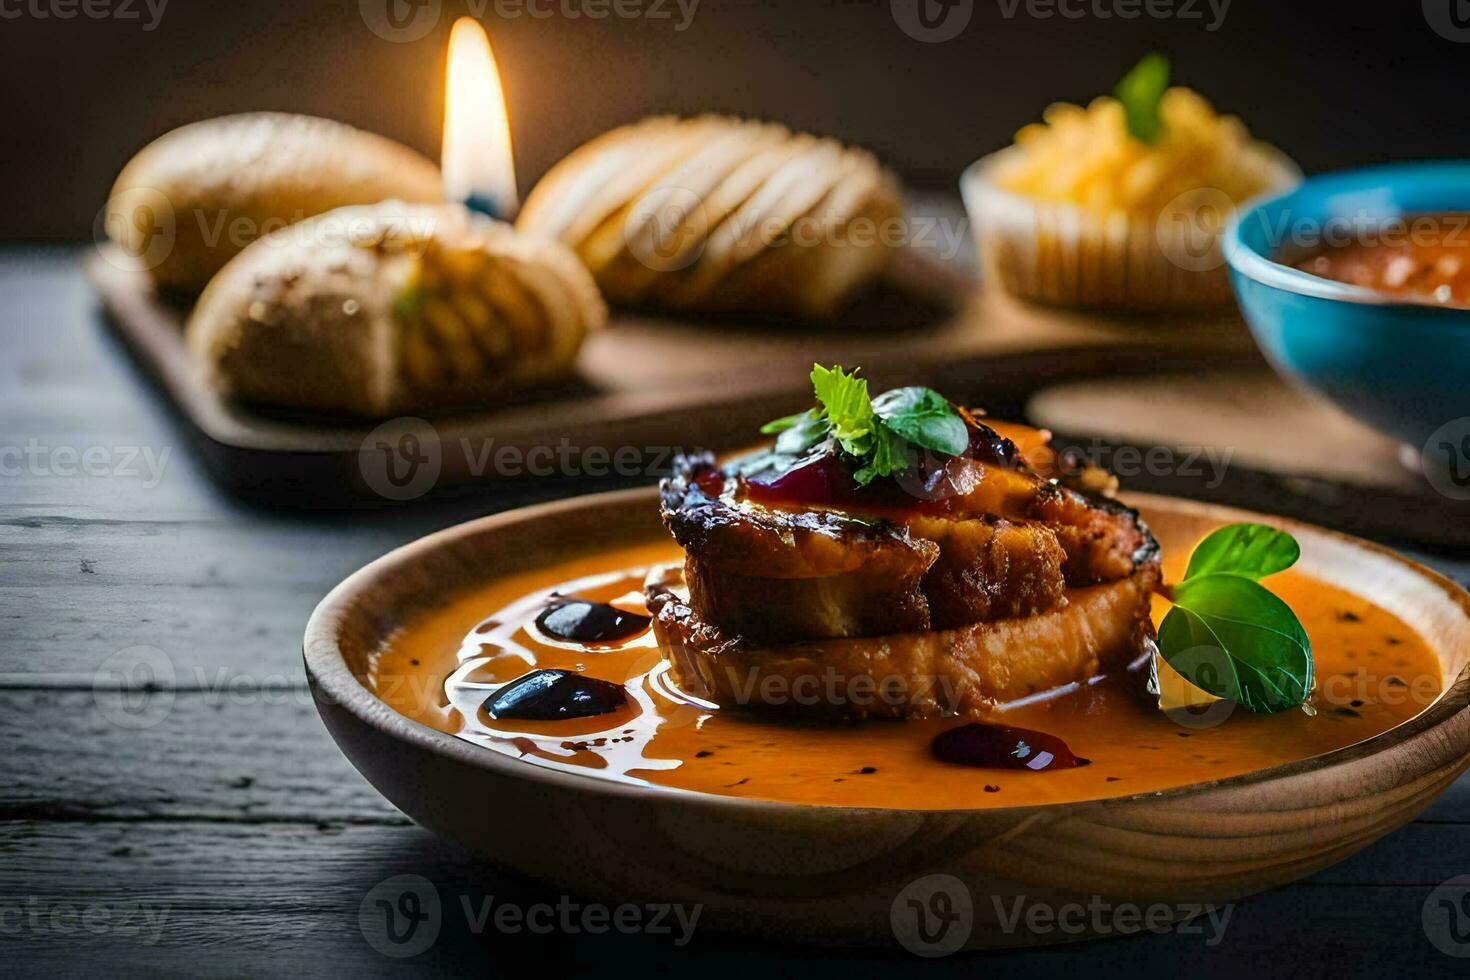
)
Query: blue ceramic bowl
[{"x": 1403, "y": 368}]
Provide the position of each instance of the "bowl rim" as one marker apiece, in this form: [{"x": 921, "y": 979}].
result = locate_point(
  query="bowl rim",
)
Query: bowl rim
[
  {"x": 1245, "y": 260},
  {"x": 333, "y": 683}
]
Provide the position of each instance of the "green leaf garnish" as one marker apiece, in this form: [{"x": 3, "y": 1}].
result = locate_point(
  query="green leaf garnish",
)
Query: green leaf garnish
[
  {"x": 1251, "y": 550},
  {"x": 925, "y": 418},
  {"x": 878, "y": 432},
  {"x": 784, "y": 423},
  {"x": 1255, "y": 651},
  {"x": 808, "y": 429},
  {"x": 849, "y": 411},
  {"x": 1141, "y": 91}
]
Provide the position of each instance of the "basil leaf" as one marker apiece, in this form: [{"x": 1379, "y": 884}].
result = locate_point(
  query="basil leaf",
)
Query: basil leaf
[
  {"x": 1251, "y": 550},
  {"x": 1265, "y": 661},
  {"x": 923, "y": 417},
  {"x": 1141, "y": 91}
]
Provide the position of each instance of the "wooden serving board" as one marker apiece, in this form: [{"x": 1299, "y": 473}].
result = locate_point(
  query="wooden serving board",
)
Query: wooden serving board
[{"x": 651, "y": 384}]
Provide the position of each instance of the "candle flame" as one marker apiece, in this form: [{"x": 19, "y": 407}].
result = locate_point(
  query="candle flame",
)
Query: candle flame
[{"x": 477, "y": 160}]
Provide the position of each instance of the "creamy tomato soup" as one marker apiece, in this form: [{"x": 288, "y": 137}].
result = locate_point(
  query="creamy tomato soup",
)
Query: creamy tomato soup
[{"x": 1373, "y": 673}]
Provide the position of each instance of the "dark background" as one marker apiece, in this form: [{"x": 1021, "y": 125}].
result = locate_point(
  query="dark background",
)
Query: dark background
[{"x": 1334, "y": 84}]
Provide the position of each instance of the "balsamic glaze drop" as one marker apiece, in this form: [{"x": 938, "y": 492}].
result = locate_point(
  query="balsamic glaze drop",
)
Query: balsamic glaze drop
[
  {"x": 581, "y": 621},
  {"x": 555, "y": 695},
  {"x": 1002, "y": 747}
]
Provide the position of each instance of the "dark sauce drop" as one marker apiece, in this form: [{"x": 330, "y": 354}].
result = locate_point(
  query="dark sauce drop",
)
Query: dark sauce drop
[
  {"x": 555, "y": 695},
  {"x": 1002, "y": 747},
  {"x": 581, "y": 621}
]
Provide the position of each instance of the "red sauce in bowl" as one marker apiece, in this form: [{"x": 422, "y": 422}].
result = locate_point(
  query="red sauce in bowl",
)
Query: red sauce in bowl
[{"x": 1421, "y": 258}]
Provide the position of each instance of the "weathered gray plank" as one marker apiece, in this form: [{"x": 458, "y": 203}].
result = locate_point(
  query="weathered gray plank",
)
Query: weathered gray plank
[
  {"x": 228, "y": 754},
  {"x": 247, "y": 900}
]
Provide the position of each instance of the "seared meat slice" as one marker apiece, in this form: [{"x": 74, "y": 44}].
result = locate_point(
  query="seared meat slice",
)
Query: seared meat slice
[
  {"x": 862, "y": 602},
  {"x": 982, "y": 540},
  {"x": 773, "y": 574},
  {"x": 925, "y": 674},
  {"x": 705, "y": 516},
  {"x": 1103, "y": 539},
  {"x": 988, "y": 568},
  {"x": 778, "y": 575}
]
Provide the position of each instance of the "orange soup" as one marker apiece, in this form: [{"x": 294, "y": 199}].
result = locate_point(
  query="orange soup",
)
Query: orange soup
[
  {"x": 1373, "y": 673},
  {"x": 1420, "y": 258}
]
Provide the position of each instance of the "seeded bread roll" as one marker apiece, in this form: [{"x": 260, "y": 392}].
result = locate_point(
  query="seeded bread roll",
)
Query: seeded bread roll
[
  {"x": 393, "y": 308},
  {"x": 194, "y": 197},
  {"x": 719, "y": 214}
]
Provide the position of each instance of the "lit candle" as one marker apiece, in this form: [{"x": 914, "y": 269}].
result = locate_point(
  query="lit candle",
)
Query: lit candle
[{"x": 479, "y": 167}]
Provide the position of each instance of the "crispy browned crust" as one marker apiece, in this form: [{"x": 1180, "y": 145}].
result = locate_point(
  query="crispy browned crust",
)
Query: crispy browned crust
[
  {"x": 786, "y": 575},
  {"x": 921, "y": 674},
  {"x": 990, "y": 568}
]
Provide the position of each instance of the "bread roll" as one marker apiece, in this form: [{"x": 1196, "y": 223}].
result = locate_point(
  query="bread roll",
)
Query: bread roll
[
  {"x": 392, "y": 308},
  {"x": 718, "y": 214},
  {"x": 194, "y": 197}
]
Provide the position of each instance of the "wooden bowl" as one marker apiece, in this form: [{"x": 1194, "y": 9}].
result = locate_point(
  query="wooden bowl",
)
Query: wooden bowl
[{"x": 862, "y": 875}]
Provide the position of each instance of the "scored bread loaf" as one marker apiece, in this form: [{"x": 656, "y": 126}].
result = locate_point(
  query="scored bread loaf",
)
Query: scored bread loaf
[
  {"x": 383, "y": 309},
  {"x": 718, "y": 214}
]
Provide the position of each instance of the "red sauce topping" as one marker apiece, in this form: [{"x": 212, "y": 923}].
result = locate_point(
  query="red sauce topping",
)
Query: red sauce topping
[
  {"x": 825, "y": 477},
  {"x": 1001, "y": 747}
]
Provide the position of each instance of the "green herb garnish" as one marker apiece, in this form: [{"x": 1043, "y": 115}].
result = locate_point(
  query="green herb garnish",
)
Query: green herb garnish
[
  {"x": 1141, "y": 91},
  {"x": 877, "y": 432},
  {"x": 1265, "y": 661}
]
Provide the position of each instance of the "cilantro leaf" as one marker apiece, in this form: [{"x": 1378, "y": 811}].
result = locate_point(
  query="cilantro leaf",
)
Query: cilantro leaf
[
  {"x": 1229, "y": 635},
  {"x": 849, "y": 411},
  {"x": 1141, "y": 91}
]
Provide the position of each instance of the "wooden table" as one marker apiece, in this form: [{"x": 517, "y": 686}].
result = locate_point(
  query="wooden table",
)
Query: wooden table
[{"x": 230, "y": 818}]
